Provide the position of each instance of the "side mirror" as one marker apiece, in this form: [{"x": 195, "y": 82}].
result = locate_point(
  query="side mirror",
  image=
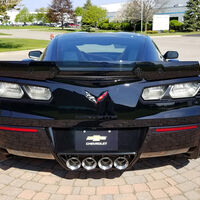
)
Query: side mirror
[
  {"x": 35, "y": 55},
  {"x": 171, "y": 55}
]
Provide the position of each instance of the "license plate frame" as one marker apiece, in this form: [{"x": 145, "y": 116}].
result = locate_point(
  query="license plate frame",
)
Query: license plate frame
[{"x": 96, "y": 141}]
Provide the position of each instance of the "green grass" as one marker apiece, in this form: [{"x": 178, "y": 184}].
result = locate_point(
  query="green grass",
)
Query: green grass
[
  {"x": 24, "y": 27},
  {"x": 15, "y": 44},
  {"x": 5, "y": 34}
]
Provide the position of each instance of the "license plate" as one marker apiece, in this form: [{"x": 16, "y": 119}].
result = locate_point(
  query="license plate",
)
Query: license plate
[{"x": 96, "y": 141}]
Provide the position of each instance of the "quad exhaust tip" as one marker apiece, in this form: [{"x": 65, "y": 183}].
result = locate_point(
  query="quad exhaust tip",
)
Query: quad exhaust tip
[
  {"x": 105, "y": 163},
  {"x": 121, "y": 163},
  {"x": 73, "y": 163},
  {"x": 89, "y": 163}
]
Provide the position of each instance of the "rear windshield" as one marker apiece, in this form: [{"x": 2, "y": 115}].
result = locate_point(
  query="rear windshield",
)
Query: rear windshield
[{"x": 100, "y": 49}]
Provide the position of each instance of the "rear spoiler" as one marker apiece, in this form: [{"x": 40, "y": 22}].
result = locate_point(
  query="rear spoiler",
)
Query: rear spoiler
[{"x": 142, "y": 70}]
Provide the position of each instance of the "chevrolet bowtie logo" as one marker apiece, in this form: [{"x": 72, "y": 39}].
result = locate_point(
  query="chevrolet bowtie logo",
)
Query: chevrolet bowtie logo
[{"x": 96, "y": 138}]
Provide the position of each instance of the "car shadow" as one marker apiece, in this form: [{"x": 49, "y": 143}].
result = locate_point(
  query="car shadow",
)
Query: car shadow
[{"x": 51, "y": 166}]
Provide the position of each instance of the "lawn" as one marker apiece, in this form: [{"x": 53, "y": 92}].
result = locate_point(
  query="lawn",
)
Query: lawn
[
  {"x": 40, "y": 28},
  {"x": 24, "y": 27},
  {"x": 4, "y": 34},
  {"x": 15, "y": 44}
]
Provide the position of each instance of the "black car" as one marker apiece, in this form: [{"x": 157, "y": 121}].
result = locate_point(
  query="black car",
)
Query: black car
[{"x": 100, "y": 101}]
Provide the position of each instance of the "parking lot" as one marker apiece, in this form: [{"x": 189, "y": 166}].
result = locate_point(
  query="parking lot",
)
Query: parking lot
[{"x": 164, "y": 178}]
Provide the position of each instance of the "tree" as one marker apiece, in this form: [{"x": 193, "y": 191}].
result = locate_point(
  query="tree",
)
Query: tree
[
  {"x": 23, "y": 16},
  {"x": 6, "y": 5},
  {"x": 192, "y": 16},
  {"x": 131, "y": 12},
  {"x": 31, "y": 17},
  {"x": 87, "y": 4},
  {"x": 93, "y": 15},
  {"x": 41, "y": 15},
  {"x": 60, "y": 10},
  {"x": 79, "y": 11}
]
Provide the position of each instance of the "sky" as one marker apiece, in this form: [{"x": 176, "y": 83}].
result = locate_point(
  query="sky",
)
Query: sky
[{"x": 33, "y": 4}]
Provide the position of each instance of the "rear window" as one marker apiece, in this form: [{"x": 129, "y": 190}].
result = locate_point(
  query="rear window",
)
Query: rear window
[
  {"x": 91, "y": 48},
  {"x": 100, "y": 49}
]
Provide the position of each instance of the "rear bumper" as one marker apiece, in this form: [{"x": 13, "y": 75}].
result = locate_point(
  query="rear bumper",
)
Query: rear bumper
[
  {"x": 172, "y": 141},
  {"x": 35, "y": 145},
  {"x": 40, "y": 144}
]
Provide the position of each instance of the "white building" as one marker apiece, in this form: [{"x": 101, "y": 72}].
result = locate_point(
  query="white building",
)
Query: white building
[
  {"x": 12, "y": 14},
  {"x": 174, "y": 8}
]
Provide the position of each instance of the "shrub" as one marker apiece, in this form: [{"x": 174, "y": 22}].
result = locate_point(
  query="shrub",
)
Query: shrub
[
  {"x": 105, "y": 26},
  {"x": 165, "y": 31},
  {"x": 126, "y": 26},
  {"x": 116, "y": 26},
  {"x": 172, "y": 31},
  {"x": 86, "y": 28},
  {"x": 152, "y": 32},
  {"x": 99, "y": 25},
  {"x": 176, "y": 25},
  {"x": 111, "y": 25},
  {"x": 149, "y": 26}
]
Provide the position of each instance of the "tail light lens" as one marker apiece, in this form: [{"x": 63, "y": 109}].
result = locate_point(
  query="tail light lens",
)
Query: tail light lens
[
  {"x": 154, "y": 93},
  {"x": 176, "y": 91},
  {"x": 38, "y": 93},
  {"x": 11, "y": 90},
  {"x": 184, "y": 90}
]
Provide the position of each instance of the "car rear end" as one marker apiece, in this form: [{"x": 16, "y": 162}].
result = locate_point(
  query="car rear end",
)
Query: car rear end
[
  {"x": 108, "y": 120},
  {"x": 99, "y": 101}
]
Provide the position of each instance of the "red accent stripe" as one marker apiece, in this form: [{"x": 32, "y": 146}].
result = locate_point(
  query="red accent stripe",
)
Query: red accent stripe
[
  {"x": 176, "y": 128},
  {"x": 18, "y": 129},
  {"x": 102, "y": 96}
]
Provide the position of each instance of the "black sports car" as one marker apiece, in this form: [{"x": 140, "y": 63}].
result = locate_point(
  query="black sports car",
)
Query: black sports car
[{"x": 100, "y": 101}]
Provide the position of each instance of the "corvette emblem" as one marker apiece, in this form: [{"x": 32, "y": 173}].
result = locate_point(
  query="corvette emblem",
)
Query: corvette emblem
[
  {"x": 96, "y": 138},
  {"x": 95, "y": 100}
]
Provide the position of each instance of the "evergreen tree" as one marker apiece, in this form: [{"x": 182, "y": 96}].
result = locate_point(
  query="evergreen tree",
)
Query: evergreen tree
[
  {"x": 87, "y": 4},
  {"x": 192, "y": 16}
]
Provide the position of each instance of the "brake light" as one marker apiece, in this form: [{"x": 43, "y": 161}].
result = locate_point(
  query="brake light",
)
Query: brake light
[
  {"x": 176, "y": 128},
  {"x": 18, "y": 129}
]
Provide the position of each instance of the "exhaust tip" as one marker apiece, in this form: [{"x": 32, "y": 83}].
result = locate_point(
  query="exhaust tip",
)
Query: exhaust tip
[
  {"x": 105, "y": 163},
  {"x": 73, "y": 163},
  {"x": 89, "y": 163},
  {"x": 121, "y": 163}
]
